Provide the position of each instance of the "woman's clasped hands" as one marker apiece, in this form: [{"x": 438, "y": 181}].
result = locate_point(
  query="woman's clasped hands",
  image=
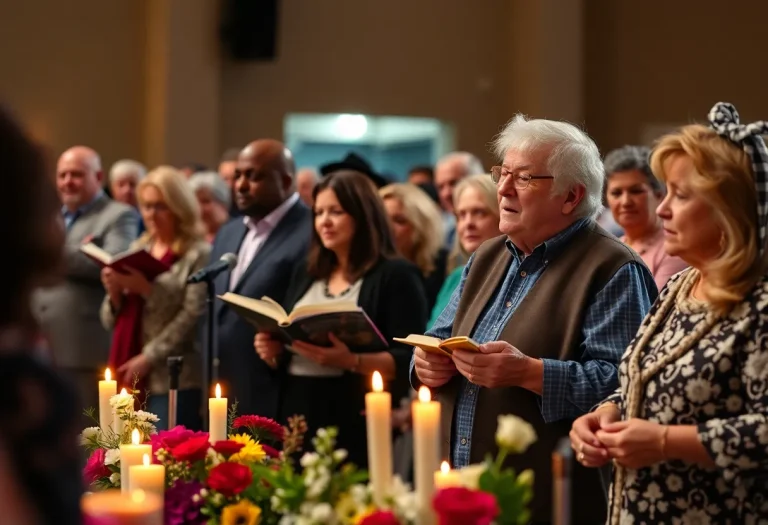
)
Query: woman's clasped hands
[
  {"x": 338, "y": 355},
  {"x": 600, "y": 437}
]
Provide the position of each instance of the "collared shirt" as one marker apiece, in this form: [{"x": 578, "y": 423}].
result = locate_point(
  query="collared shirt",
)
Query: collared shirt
[
  {"x": 71, "y": 216},
  {"x": 570, "y": 388},
  {"x": 258, "y": 233}
]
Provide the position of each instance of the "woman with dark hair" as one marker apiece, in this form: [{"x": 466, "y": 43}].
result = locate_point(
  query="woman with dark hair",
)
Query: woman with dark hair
[
  {"x": 351, "y": 259},
  {"x": 40, "y": 476}
]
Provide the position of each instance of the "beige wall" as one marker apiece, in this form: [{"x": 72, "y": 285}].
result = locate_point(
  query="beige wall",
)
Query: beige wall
[
  {"x": 654, "y": 62},
  {"x": 84, "y": 71}
]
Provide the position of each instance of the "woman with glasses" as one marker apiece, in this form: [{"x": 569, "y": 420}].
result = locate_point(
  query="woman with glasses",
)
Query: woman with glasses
[
  {"x": 152, "y": 321},
  {"x": 633, "y": 194}
]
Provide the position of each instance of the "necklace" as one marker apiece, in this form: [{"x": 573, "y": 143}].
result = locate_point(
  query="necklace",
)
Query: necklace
[{"x": 329, "y": 295}]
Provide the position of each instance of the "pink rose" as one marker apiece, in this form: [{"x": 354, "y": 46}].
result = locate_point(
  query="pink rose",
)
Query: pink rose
[{"x": 95, "y": 469}]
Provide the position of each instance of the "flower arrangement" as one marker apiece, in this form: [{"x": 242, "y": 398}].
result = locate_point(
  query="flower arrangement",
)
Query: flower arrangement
[{"x": 255, "y": 478}]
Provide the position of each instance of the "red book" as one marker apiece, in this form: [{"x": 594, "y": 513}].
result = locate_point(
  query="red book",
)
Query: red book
[{"x": 139, "y": 259}]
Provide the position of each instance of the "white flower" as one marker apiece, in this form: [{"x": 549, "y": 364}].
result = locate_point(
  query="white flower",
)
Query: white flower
[
  {"x": 114, "y": 478},
  {"x": 359, "y": 494},
  {"x": 526, "y": 478},
  {"x": 339, "y": 455},
  {"x": 141, "y": 415},
  {"x": 322, "y": 513},
  {"x": 112, "y": 457},
  {"x": 514, "y": 434},
  {"x": 288, "y": 519},
  {"x": 398, "y": 487},
  {"x": 309, "y": 459},
  {"x": 407, "y": 506},
  {"x": 121, "y": 402},
  {"x": 470, "y": 475},
  {"x": 90, "y": 434}
]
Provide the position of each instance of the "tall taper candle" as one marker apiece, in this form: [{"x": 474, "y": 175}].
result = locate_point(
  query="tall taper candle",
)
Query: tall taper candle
[
  {"x": 131, "y": 455},
  {"x": 217, "y": 413},
  {"x": 107, "y": 389},
  {"x": 378, "y": 419},
  {"x": 426, "y": 452}
]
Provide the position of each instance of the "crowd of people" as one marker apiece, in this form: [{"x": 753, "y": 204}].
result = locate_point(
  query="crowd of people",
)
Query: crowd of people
[{"x": 643, "y": 345}]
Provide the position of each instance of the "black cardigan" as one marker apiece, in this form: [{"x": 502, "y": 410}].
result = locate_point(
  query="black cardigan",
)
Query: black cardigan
[{"x": 393, "y": 296}]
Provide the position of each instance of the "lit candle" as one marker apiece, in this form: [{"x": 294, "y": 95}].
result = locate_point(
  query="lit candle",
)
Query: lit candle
[
  {"x": 107, "y": 389},
  {"x": 378, "y": 418},
  {"x": 148, "y": 477},
  {"x": 426, "y": 452},
  {"x": 445, "y": 477},
  {"x": 115, "y": 508},
  {"x": 217, "y": 414},
  {"x": 130, "y": 455}
]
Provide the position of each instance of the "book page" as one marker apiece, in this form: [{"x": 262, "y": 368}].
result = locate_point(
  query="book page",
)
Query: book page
[
  {"x": 97, "y": 253},
  {"x": 425, "y": 342},
  {"x": 460, "y": 343},
  {"x": 268, "y": 308},
  {"x": 316, "y": 309}
]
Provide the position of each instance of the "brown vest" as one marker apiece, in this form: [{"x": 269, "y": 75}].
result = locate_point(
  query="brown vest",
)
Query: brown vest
[{"x": 547, "y": 324}]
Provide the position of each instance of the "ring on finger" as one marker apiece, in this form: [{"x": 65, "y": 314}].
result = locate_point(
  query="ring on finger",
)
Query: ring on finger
[{"x": 580, "y": 457}]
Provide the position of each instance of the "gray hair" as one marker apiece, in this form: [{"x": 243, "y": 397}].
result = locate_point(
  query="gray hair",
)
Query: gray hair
[
  {"x": 574, "y": 159},
  {"x": 472, "y": 165},
  {"x": 126, "y": 167},
  {"x": 212, "y": 181},
  {"x": 632, "y": 158}
]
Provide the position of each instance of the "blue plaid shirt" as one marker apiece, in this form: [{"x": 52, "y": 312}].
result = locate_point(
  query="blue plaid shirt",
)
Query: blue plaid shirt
[{"x": 570, "y": 388}]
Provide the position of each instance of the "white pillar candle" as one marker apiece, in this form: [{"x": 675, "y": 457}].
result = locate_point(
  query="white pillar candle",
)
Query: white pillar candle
[
  {"x": 217, "y": 417},
  {"x": 426, "y": 452},
  {"x": 130, "y": 455},
  {"x": 446, "y": 477},
  {"x": 116, "y": 508},
  {"x": 107, "y": 389},
  {"x": 378, "y": 418},
  {"x": 148, "y": 477}
]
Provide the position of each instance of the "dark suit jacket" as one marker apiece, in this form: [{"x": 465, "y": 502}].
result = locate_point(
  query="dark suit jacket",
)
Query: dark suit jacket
[
  {"x": 245, "y": 377},
  {"x": 393, "y": 296}
]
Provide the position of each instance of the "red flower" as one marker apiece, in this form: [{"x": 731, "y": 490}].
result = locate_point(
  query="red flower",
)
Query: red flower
[
  {"x": 227, "y": 448},
  {"x": 260, "y": 427},
  {"x": 271, "y": 452},
  {"x": 168, "y": 439},
  {"x": 461, "y": 506},
  {"x": 95, "y": 469},
  {"x": 191, "y": 450},
  {"x": 380, "y": 517},
  {"x": 230, "y": 478}
]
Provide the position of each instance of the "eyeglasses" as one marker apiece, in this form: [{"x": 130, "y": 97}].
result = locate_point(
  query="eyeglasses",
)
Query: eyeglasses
[{"x": 520, "y": 180}]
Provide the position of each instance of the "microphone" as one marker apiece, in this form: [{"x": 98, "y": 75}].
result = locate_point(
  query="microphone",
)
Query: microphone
[{"x": 227, "y": 261}]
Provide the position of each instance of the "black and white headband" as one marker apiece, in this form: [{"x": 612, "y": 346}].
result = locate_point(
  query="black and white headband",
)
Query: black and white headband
[{"x": 724, "y": 119}]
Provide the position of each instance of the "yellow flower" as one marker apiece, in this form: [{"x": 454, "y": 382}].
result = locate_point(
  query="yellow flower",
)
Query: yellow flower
[
  {"x": 346, "y": 508},
  {"x": 243, "y": 513},
  {"x": 251, "y": 452},
  {"x": 364, "y": 513}
]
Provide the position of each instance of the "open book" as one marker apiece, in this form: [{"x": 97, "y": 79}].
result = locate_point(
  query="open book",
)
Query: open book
[
  {"x": 436, "y": 346},
  {"x": 309, "y": 323},
  {"x": 139, "y": 259}
]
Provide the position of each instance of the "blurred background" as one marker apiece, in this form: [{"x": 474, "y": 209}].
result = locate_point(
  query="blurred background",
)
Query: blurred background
[{"x": 399, "y": 81}]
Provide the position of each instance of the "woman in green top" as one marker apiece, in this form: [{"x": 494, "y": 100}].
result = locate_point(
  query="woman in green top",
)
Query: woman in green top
[{"x": 477, "y": 220}]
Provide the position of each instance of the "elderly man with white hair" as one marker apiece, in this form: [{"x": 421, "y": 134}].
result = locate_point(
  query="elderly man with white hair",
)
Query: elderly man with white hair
[
  {"x": 553, "y": 303},
  {"x": 124, "y": 177},
  {"x": 215, "y": 198}
]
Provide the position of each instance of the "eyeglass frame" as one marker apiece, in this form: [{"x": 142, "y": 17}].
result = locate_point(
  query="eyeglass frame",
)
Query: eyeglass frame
[{"x": 516, "y": 177}]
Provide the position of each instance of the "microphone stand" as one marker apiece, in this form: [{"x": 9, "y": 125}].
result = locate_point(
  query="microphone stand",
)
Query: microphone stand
[
  {"x": 562, "y": 464},
  {"x": 174, "y": 370},
  {"x": 210, "y": 357}
]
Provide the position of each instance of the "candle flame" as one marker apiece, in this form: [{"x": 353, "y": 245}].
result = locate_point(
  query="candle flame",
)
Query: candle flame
[
  {"x": 218, "y": 391},
  {"x": 445, "y": 468},
  {"x": 378, "y": 382},
  {"x": 138, "y": 496},
  {"x": 123, "y": 392},
  {"x": 108, "y": 375},
  {"x": 136, "y": 437},
  {"x": 424, "y": 395},
  {"x": 147, "y": 460}
]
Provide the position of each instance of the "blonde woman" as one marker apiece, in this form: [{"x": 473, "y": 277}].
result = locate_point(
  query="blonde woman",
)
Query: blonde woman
[
  {"x": 155, "y": 320},
  {"x": 687, "y": 430},
  {"x": 477, "y": 219},
  {"x": 417, "y": 227}
]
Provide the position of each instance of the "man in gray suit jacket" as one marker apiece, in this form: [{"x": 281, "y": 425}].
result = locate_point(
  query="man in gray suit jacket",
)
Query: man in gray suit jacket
[{"x": 69, "y": 312}]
